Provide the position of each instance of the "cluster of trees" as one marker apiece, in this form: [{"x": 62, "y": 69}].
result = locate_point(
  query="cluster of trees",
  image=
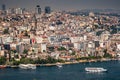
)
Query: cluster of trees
[
  {"x": 37, "y": 61},
  {"x": 89, "y": 58},
  {"x": 61, "y": 49},
  {"x": 106, "y": 55},
  {"x": 49, "y": 59}
]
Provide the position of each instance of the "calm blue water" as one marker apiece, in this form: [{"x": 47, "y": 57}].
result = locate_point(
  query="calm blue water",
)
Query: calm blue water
[{"x": 67, "y": 72}]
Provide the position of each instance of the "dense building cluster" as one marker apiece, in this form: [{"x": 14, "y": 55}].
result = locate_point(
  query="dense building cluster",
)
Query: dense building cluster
[{"x": 57, "y": 34}]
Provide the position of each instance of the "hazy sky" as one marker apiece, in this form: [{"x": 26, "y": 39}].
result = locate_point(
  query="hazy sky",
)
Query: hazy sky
[{"x": 63, "y": 4}]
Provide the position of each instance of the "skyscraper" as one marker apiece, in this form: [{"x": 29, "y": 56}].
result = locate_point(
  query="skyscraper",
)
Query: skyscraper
[
  {"x": 38, "y": 9},
  {"x": 47, "y": 10},
  {"x": 3, "y": 7}
]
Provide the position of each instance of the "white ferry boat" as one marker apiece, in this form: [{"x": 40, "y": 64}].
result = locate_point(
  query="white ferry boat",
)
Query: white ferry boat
[
  {"x": 95, "y": 69},
  {"x": 27, "y": 66},
  {"x": 59, "y": 65}
]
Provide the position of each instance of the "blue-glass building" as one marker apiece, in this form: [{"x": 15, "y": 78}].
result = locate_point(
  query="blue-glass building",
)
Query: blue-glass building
[
  {"x": 47, "y": 10},
  {"x": 3, "y": 7}
]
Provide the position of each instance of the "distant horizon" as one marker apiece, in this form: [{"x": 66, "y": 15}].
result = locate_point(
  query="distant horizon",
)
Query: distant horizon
[{"x": 61, "y": 5}]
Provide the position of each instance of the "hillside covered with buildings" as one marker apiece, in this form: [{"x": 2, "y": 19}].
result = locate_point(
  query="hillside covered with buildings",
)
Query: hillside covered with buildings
[{"x": 57, "y": 36}]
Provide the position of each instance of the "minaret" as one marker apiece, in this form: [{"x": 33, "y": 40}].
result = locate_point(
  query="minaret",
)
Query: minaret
[{"x": 38, "y": 9}]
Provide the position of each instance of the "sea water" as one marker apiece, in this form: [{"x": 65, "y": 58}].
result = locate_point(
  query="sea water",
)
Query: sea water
[{"x": 66, "y": 72}]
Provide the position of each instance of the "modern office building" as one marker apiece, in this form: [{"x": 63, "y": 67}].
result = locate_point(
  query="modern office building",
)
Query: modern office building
[
  {"x": 47, "y": 10},
  {"x": 3, "y": 7}
]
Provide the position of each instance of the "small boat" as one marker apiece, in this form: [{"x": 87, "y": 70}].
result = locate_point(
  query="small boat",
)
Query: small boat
[
  {"x": 27, "y": 66},
  {"x": 95, "y": 69},
  {"x": 2, "y": 66},
  {"x": 59, "y": 65}
]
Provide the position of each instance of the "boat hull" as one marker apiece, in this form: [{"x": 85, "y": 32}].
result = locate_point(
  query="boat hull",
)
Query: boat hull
[
  {"x": 27, "y": 66},
  {"x": 95, "y": 69},
  {"x": 2, "y": 66}
]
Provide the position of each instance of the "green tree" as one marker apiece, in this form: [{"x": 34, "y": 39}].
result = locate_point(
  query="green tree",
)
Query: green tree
[
  {"x": 51, "y": 60},
  {"x": 107, "y": 55},
  {"x": 6, "y": 31},
  {"x": 16, "y": 62},
  {"x": 60, "y": 60},
  {"x": 61, "y": 49},
  {"x": 26, "y": 34},
  {"x": 73, "y": 53},
  {"x": 44, "y": 51},
  {"x": 26, "y": 61},
  {"x": 14, "y": 51},
  {"x": 2, "y": 60},
  {"x": 25, "y": 51},
  {"x": 105, "y": 51},
  {"x": 48, "y": 60}
]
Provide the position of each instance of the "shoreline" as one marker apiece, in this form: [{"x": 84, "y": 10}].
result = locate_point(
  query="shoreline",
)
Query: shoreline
[
  {"x": 80, "y": 61},
  {"x": 67, "y": 63}
]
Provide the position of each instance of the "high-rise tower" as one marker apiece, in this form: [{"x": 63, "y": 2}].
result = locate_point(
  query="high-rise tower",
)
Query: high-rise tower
[
  {"x": 3, "y": 7},
  {"x": 47, "y": 10}
]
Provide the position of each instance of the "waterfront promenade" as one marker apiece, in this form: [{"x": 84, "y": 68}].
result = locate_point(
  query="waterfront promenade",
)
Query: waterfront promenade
[
  {"x": 68, "y": 62},
  {"x": 80, "y": 61}
]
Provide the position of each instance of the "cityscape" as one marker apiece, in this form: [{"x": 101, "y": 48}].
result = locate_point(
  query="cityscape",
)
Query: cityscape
[{"x": 47, "y": 37}]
